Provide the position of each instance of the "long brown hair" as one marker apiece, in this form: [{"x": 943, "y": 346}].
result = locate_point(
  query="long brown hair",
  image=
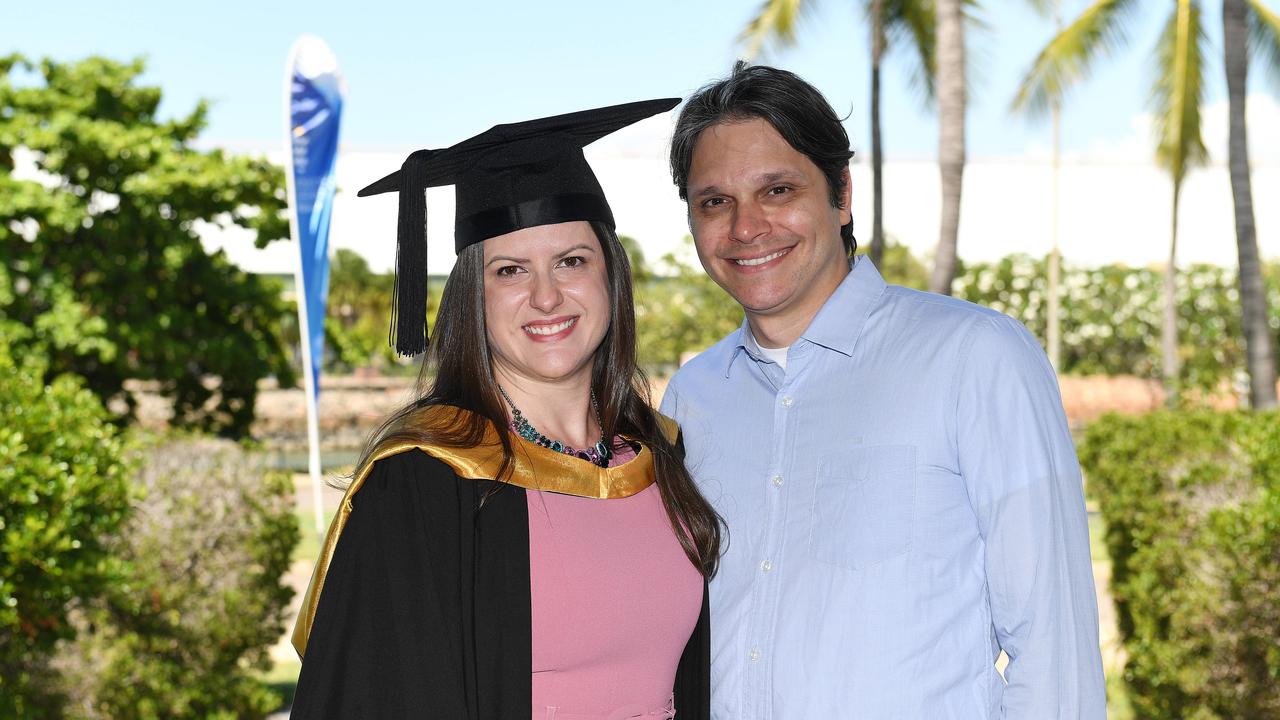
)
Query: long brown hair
[{"x": 458, "y": 371}]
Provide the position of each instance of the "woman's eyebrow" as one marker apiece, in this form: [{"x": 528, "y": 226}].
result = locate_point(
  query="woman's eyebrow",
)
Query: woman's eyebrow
[{"x": 507, "y": 258}]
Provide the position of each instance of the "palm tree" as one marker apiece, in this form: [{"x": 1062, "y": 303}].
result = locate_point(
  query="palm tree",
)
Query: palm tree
[
  {"x": 951, "y": 110},
  {"x": 1175, "y": 101},
  {"x": 1237, "y": 17},
  {"x": 1053, "y": 333},
  {"x": 891, "y": 21}
]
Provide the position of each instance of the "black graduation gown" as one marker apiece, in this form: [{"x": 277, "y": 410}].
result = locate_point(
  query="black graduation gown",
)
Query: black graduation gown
[{"x": 425, "y": 609}]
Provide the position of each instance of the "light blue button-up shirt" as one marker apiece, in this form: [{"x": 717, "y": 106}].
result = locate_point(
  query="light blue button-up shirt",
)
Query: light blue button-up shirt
[{"x": 903, "y": 502}]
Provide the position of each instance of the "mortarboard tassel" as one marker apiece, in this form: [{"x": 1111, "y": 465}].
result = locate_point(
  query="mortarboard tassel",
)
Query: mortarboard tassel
[{"x": 409, "y": 302}]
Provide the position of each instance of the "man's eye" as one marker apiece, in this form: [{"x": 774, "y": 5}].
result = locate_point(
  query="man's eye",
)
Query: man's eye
[
  {"x": 713, "y": 202},
  {"x": 779, "y": 190}
]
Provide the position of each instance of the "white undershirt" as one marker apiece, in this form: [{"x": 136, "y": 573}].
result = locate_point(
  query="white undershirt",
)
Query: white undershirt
[{"x": 778, "y": 355}]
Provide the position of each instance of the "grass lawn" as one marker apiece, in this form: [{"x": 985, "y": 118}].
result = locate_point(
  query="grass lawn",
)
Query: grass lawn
[
  {"x": 1118, "y": 707},
  {"x": 283, "y": 675},
  {"x": 308, "y": 548},
  {"x": 283, "y": 678}
]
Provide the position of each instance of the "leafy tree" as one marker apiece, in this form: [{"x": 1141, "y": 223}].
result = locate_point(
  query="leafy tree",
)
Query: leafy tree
[
  {"x": 1237, "y": 17},
  {"x": 899, "y": 267},
  {"x": 359, "y": 313},
  {"x": 1175, "y": 100},
  {"x": 1053, "y": 338},
  {"x": 63, "y": 495},
  {"x": 100, "y": 196},
  {"x": 359, "y": 316},
  {"x": 679, "y": 310},
  {"x": 949, "y": 47}
]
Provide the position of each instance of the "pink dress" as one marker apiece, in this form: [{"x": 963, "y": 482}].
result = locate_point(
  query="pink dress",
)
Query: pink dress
[{"x": 614, "y": 600}]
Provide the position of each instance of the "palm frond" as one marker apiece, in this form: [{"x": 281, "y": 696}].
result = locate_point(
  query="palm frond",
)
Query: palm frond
[
  {"x": 1264, "y": 37},
  {"x": 973, "y": 15},
  {"x": 777, "y": 21},
  {"x": 1044, "y": 7},
  {"x": 916, "y": 22},
  {"x": 1179, "y": 90},
  {"x": 1068, "y": 57}
]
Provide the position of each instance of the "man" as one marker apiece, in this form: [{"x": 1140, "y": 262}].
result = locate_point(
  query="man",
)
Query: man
[{"x": 894, "y": 467}]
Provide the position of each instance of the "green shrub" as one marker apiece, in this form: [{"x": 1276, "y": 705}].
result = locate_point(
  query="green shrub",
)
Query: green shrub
[
  {"x": 208, "y": 544},
  {"x": 63, "y": 493},
  {"x": 1112, "y": 315},
  {"x": 1192, "y": 506}
]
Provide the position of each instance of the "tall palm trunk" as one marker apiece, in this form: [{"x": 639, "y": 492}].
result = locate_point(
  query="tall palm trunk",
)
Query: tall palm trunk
[
  {"x": 1169, "y": 336},
  {"x": 1253, "y": 299},
  {"x": 1054, "y": 330},
  {"x": 877, "y": 151},
  {"x": 951, "y": 109}
]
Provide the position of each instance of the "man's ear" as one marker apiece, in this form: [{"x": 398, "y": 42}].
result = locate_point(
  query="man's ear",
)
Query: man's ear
[{"x": 846, "y": 198}]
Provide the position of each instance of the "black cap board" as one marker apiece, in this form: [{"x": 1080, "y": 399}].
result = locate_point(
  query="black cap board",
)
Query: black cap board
[{"x": 510, "y": 177}]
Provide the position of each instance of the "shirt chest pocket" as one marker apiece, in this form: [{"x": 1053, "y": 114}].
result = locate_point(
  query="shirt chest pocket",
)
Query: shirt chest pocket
[{"x": 864, "y": 506}]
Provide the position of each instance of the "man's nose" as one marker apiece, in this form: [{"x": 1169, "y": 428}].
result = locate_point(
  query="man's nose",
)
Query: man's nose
[{"x": 748, "y": 222}]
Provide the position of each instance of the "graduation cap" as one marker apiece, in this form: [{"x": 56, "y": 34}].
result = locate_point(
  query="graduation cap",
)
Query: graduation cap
[{"x": 510, "y": 177}]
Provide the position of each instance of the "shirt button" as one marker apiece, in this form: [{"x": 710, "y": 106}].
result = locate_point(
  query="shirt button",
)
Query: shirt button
[
  {"x": 766, "y": 566},
  {"x": 786, "y": 401},
  {"x": 753, "y": 655},
  {"x": 777, "y": 481}
]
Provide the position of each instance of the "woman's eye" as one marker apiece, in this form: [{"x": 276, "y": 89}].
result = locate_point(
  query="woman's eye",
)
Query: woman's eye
[
  {"x": 573, "y": 261},
  {"x": 508, "y": 270}
]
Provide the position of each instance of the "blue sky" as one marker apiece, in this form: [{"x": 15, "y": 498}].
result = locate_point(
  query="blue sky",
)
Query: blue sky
[{"x": 430, "y": 73}]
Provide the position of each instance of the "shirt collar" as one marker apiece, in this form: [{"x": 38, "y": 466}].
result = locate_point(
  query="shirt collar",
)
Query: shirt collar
[{"x": 839, "y": 321}]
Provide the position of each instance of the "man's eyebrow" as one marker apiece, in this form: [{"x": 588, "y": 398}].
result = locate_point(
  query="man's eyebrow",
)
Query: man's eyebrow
[
  {"x": 773, "y": 177},
  {"x": 767, "y": 178}
]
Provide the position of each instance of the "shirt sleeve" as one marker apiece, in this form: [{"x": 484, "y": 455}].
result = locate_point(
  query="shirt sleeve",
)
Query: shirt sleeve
[
  {"x": 1023, "y": 480},
  {"x": 670, "y": 404}
]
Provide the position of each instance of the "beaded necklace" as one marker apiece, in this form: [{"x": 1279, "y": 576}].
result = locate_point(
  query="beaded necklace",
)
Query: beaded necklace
[{"x": 600, "y": 454}]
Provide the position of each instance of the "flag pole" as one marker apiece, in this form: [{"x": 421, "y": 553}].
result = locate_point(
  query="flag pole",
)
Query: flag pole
[{"x": 318, "y": 199}]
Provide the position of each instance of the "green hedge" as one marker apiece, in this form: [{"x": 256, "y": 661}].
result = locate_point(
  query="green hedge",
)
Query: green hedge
[
  {"x": 1112, "y": 315},
  {"x": 1191, "y": 502}
]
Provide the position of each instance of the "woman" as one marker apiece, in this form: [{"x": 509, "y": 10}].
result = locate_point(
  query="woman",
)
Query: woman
[{"x": 524, "y": 537}]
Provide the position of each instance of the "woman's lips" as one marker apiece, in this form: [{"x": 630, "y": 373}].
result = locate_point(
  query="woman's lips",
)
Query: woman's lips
[{"x": 553, "y": 330}]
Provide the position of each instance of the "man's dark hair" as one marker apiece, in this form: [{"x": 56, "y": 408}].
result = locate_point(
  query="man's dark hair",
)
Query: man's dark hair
[{"x": 792, "y": 106}]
